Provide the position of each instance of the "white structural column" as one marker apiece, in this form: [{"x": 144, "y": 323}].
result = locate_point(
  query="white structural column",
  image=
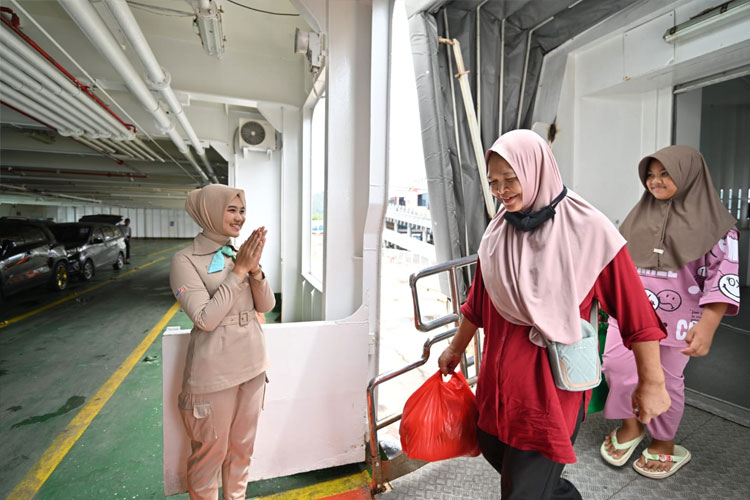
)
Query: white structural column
[
  {"x": 347, "y": 154},
  {"x": 378, "y": 173},
  {"x": 291, "y": 214}
]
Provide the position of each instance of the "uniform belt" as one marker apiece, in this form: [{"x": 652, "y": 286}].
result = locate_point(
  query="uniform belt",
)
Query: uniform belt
[{"x": 242, "y": 318}]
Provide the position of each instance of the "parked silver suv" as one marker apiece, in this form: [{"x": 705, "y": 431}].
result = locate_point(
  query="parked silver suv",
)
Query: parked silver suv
[
  {"x": 30, "y": 256},
  {"x": 91, "y": 246}
]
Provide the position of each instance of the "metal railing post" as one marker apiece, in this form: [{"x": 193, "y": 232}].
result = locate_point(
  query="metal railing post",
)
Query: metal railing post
[{"x": 378, "y": 477}]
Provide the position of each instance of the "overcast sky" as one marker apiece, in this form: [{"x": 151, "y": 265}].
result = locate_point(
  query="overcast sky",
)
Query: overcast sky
[{"x": 406, "y": 158}]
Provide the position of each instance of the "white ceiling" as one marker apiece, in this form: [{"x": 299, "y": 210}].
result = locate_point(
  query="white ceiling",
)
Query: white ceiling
[{"x": 259, "y": 66}]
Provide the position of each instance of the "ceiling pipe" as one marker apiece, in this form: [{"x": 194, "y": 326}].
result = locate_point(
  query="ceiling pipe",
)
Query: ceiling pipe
[
  {"x": 68, "y": 184},
  {"x": 55, "y": 97},
  {"x": 115, "y": 148},
  {"x": 158, "y": 78},
  {"x": 96, "y": 146},
  {"x": 14, "y": 24},
  {"x": 47, "y": 193},
  {"x": 133, "y": 127},
  {"x": 127, "y": 148},
  {"x": 72, "y": 172},
  {"x": 78, "y": 183},
  {"x": 140, "y": 151},
  {"x": 34, "y": 91},
  {"x": 122, "y": 146},
  {"x": 64, "y": 94},
  {"x": 93, "y": 27},
  {"x": 19, "y": 100},
  {"x": 29, "y": 61},
  {"x": 138, "y": 143},
  {"x": 18, "y": 110},
  {"x": 100, "y": 144}
]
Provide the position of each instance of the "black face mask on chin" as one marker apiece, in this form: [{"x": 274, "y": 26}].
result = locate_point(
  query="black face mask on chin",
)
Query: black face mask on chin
[{"x": 530, "y": 221}]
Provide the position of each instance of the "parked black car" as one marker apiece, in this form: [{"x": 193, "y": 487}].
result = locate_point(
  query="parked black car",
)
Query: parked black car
[
  {"x": 91, "y": 246},
  {"x": 30, "y": 256}
]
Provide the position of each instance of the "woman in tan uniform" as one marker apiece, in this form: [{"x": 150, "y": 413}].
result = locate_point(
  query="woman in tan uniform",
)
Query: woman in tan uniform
[{"x": 225, "y": 370}]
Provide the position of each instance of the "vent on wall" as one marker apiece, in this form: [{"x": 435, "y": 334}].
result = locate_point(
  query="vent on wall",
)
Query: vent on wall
[{"x": 256, "y": 135}]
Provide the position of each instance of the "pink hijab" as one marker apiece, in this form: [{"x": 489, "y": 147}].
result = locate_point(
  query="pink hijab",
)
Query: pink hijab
[{"x": 539, "y": 278}]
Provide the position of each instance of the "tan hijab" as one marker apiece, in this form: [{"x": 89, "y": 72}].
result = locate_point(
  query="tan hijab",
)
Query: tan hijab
[
  {"x": 207, "y": 206},
  {"x": 686, "y": 226},
  {"x": 539, "y": 278}
]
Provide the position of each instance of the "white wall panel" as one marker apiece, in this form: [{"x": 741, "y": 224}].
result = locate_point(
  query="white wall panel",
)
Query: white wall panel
[
  {"x": 259, "y": 174},
  {"x": 144, "y": 222},
  {"x": 641, "y": 58},
  {"x": 163, "y": 216},
  {"x": 617, "y": 107},
  {"x": 140, "y": 223},
  {"x": 296, "y": 432}
]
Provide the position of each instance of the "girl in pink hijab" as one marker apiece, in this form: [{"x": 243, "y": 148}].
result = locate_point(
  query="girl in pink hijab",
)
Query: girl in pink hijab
[{"x": 543, "y": 259}]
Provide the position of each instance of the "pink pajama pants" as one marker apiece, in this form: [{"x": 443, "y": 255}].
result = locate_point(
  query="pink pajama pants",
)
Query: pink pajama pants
[
  {"x": 620, "y": 370},
  {"x": 221, "y": 427}
]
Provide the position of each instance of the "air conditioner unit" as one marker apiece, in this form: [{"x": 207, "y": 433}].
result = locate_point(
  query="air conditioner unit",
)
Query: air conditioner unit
[{"x": 256, "y": 135}]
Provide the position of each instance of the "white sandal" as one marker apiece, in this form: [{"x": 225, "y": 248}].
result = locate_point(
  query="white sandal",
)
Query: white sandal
[
  {"x": 681, "y": 457},
  {"x": 630, "y": 446}
]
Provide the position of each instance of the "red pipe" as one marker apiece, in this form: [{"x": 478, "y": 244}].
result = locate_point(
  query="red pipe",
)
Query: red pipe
[
  {"x": 71, "y": 172},
  {"x": 14, "y": 25},
  {"x": 27, "y": 115},
  {"x": 116, "y": 160}
]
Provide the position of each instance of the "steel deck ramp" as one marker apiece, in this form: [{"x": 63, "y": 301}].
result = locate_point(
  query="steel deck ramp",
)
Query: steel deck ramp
[{"x": 718, "y": 470}]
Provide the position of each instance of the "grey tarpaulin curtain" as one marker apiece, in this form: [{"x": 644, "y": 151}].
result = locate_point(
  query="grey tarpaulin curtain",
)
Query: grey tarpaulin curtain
[{"x": 456, "y": 203}]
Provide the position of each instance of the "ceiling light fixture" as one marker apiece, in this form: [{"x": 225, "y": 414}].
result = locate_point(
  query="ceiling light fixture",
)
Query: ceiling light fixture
[
  {"x": 710, "y": 19},
  {"x": 310, "y": 44},
  {"x": 208, "y": 21}
]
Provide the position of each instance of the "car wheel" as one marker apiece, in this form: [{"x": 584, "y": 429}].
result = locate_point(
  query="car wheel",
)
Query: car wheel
[
  {"x": 60, "y": 277},
  {"x": 87, "y": 271},
  {"x": 120, "y": 262}
]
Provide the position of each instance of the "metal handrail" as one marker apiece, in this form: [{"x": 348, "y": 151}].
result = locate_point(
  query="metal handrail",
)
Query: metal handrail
[
  {"x": 374, "y": 423},
  {"x": 451, "y": 267}
]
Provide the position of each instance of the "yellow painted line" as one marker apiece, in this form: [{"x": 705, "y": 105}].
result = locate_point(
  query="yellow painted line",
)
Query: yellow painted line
[
  {"x": 325, "y": 489},
  {"x": 72, "y": 296},
  {"x": 167, "y": 249},
  {"x": 38, "y": 474}
]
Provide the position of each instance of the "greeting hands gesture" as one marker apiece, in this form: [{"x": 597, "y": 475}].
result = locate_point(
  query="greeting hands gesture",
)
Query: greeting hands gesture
[{"x": 249, "y": 254}]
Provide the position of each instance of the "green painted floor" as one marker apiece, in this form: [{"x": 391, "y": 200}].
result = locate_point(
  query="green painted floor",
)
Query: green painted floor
[{"x": 53, "y": 362}]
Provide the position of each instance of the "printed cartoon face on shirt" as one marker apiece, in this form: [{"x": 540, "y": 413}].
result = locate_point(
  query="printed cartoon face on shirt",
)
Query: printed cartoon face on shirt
[
  {"x": 652, "y": 298},
  {"x": 669, "y": 300},
  {"x": 729, "y": 248},
  {"x": 729, "y": 285}
]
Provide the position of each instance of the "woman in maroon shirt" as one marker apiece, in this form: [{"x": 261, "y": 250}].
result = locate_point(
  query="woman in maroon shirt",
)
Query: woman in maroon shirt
[{"x": 542, "y": 260}]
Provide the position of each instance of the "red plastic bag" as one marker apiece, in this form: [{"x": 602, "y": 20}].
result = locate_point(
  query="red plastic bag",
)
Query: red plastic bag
[{"x": 440, "y": 420}]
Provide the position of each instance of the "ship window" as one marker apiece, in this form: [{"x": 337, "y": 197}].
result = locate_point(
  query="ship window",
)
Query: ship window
[{"x": 317, "y": 188}]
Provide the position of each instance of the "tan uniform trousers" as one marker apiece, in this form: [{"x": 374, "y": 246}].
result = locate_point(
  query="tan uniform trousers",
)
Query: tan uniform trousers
[{"x": 222, "y": 427}]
